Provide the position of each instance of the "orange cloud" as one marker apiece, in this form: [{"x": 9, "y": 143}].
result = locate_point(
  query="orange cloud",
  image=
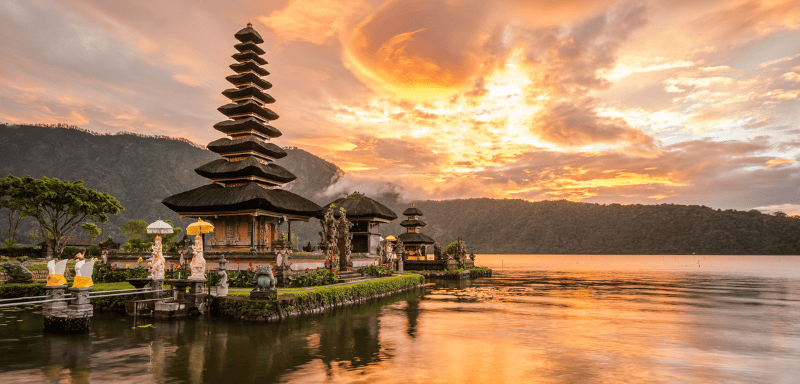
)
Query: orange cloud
[
  {"x": 405, "y": 48},
  {"x": 314, "y": 21}
]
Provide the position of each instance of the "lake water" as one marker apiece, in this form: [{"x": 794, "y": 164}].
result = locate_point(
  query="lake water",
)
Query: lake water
[{"x": 541, "y": 318}]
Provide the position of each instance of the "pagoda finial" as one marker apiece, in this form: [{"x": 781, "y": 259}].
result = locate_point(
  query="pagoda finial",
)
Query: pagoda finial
[{"x": 249, "y": 25}]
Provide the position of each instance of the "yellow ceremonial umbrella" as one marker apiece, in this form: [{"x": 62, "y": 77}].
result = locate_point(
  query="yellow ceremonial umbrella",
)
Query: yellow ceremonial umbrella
[
  {"x": 199, "y": 227},
  {"x": 390, "y": 238}
]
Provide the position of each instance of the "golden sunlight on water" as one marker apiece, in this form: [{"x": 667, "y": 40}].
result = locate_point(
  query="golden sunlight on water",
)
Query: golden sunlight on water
[{"x": 541, "y": 318}]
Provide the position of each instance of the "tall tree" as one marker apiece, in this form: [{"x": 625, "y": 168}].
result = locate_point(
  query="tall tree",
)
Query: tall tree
[
  {"x": 15, "y": 214},
  {"x": 59, "y": 206}
]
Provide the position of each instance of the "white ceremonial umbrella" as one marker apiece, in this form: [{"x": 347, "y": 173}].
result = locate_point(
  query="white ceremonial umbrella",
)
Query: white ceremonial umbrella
[{"x": 159, "y": 227}]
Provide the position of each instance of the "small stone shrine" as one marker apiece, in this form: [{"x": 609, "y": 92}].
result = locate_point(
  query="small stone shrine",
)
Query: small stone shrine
[
  {"x": 415, "y": 243},
  {"x": 366, "y": 215},
  {"x": 244, "y": 201}
]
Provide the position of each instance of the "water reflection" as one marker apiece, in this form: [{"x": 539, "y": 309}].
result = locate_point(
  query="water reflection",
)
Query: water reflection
[{"x": 557, "y": 321}]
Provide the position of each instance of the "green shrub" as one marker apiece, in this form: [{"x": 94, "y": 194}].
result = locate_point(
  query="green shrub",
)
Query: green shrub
[
  {"x": 70, "y": 252},
  {"x": 10, "y": 291},
  {"x": 104, "y": 273},
  {"x": 314, "y": 278},
  {"x": 3, "y": 259},
  {"x": 94, "y": 251},
  {"x": 376, "y": 270},
  {"x": 28, "y": 250}
]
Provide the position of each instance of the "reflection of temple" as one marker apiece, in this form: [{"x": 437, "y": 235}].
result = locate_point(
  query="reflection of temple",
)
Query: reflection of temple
[
  {"x": 415, "y": 243},
  {"x": 366, "y": 215},
  {"x": 244, "y": 201}
]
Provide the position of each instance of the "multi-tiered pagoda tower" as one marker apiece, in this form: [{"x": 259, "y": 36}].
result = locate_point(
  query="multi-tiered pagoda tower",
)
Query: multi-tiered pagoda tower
[
  {"x": 244, "y": 201},
  {"x": 415, "y": 243}
]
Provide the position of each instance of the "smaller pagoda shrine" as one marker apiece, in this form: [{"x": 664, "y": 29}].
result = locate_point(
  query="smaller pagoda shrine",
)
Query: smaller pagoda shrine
[
  {"x": 366, "y": 215},
  {"x": 415, "y": 243}
]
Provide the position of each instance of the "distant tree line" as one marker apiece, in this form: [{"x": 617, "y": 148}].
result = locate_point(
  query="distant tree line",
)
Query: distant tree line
[
  {"x": 79, "y": 129},
  {"x": 564, "y": 227}
]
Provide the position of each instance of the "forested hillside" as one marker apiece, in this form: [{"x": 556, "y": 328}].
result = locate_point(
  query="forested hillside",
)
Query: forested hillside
[
  {"x": 518, "y": 226},
  {"x": 140, "y": 171}
]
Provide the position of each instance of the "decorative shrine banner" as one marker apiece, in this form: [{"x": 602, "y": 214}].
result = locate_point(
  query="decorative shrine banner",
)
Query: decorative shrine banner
[
  {"x": 53, "y": 280},
  {"x": 82, "y": 282}
]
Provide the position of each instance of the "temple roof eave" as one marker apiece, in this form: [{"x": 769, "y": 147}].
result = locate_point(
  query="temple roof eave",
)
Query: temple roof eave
[
  {"x": 246, "y": 125},
  {"x": 216, "y": 199},
  {"x": 223, "y": 168},
  {"x": 415, "y": 238},
  {"x": 227, "y": 146}
]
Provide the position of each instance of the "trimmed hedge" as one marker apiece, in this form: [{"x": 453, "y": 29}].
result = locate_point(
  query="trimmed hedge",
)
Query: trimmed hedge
[
  {"x": 330, "y": 295},
  {"x": 25, "y": 250},
  {"x": 10, "y": 291}
]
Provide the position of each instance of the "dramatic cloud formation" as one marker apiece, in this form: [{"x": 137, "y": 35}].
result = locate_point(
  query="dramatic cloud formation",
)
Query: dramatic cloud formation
[{"x": 605, "y": 101}]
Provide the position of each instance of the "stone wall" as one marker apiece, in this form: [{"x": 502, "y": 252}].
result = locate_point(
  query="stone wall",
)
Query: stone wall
[{"x": 314, "y": 301}]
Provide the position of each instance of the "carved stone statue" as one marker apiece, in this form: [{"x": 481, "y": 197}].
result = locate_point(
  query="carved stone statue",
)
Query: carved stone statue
[
  {"x": 328, "y": 237},
  {"x": 399, "y": 251},
  {"x": 264, "y": 279},
  {"x": 198, "y": 264},
  {"x": 222, "y": 286},
  {"x": 345, "y": 236},
  {"x": 308, "y": 247},
  {"x": 437, "y": 251},
  {"x": 265, "y": 283},
  {"x": 157, "y": 266},
  {"x": 18, "y": 273}
]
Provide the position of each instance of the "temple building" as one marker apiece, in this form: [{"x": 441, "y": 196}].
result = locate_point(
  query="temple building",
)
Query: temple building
[
  {"x": 245, "y": 202},
  {"x": 415, "y": 243},
  {"x": 366, "y": 215}
]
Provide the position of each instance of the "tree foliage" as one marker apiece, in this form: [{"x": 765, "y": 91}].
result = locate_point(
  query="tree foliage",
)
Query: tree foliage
[
  {"x": 565, "y": 227},
  {"x": 140, "y": 241},
  {"x": 91, "y": 231},
  {"x": 15, "y": 210},
  {"x": 59, "y": 207}
]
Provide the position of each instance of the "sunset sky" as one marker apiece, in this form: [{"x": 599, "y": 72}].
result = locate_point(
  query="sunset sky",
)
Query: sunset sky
[{"x": 689, "y": 102}]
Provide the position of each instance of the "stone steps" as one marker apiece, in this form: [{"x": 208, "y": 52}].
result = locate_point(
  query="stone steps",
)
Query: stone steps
[{"x": 351, "y": 277}]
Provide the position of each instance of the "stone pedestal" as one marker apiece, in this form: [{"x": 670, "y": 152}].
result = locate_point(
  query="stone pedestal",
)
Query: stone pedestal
[
  {"x": 268, "y": 294},
  {"x": 60, "y": 317},
  {"x": 156, "y": 285},
  {"x": 196, "y": 298},
  {"x": 179, "y": 286}
]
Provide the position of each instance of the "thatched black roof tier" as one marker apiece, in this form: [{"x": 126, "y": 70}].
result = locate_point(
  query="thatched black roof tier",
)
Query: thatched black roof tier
[
  {"x": 247, "y": 107},
  {"x": 248, "y": 77},
  {"x": 244, "y": 47},
  {"x": 226, "y": 146},
  {"x": 244, "y": 56},
  {"x": 412, "y": 223},
  {"x": 248, "y": 91},
  {"x": 415, "y": 238},
  {"x": 249, "y": 197},
  {"x": 412, "y": 211},
  {"x": 358, "y": 206},
  {"x": 249, "y": 65},
  {"x": 246, "y": 126},
  {"x": 248, "y": 34},
  {"x": 224, "y": 169}
]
